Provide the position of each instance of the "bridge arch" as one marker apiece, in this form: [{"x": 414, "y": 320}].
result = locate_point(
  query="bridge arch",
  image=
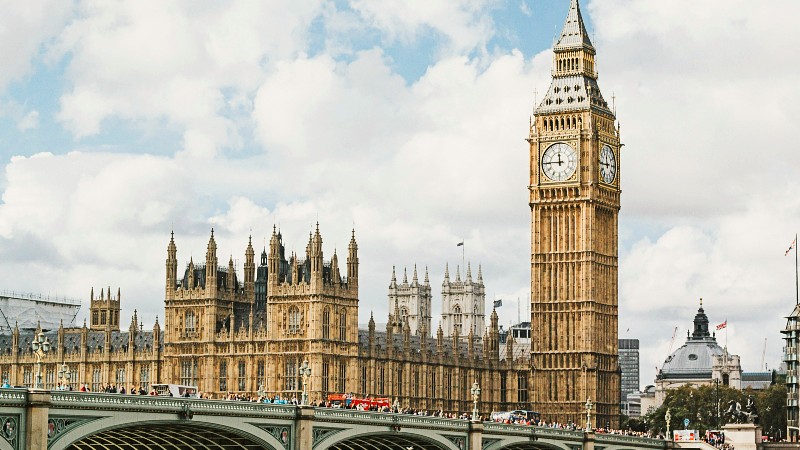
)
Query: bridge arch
[
  {"x": 167, "y": 435},
  {"x": 392, "y": 441}
]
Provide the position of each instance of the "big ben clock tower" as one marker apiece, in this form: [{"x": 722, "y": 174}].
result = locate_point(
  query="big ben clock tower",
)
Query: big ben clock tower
[{"x": 575, "y": 200}]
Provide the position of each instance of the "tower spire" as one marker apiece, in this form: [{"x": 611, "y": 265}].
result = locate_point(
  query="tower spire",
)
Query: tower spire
[{"x": 574, "y": 33}]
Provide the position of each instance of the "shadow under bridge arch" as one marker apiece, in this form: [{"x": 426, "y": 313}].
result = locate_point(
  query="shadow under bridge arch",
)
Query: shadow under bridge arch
[
  {"x": 168, "y": 436},
  {"x": 389, "y": 441}
]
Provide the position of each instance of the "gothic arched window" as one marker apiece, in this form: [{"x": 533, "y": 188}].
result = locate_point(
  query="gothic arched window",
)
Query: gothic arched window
[
  {"x": 342, "y": 326},
  {"x": 189, "y": 323},
  {"x": 326, "y": 323},
  {"x": 457, "y": 318},
  {"x": 294, "y": 320}
]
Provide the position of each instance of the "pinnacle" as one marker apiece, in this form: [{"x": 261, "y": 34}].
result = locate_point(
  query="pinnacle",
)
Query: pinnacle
[{"x": 574, "y": 32}]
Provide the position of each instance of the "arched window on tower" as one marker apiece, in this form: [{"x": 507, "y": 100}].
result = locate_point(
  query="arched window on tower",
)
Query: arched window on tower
[
  {"x": 342, "y": 326},
  {"x": 725, "y": 379},
  {"x": 403, "y": 314},
  {"x": 326, "y": 323},
  {"x": 189, "y": 324},
  {"x": 294, "y": 320},
  {"x": 457, "y": 319}
]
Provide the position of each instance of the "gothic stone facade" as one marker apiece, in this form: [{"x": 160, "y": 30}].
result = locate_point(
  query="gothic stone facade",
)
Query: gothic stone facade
[{"x": 218, "y": 337}]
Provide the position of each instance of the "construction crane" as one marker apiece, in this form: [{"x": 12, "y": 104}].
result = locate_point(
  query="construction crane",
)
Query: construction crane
[{"x": 672, "y": 342}]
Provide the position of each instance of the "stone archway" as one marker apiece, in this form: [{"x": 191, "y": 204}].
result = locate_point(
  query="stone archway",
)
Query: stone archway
[
  {"x": 167, "y": 436},
  {"x": 387, "y": 441}
]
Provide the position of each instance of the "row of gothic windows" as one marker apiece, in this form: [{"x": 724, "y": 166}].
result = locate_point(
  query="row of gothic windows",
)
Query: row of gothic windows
[
  {"x": 326, "y": 324},
  {"x": 99, "y": 318}
]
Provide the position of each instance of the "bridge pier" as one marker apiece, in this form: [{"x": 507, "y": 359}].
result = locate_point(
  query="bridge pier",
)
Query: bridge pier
[
  {"x": 305, "y": 426},
  {"x": 588, "y": 440},
  {"x": 36, "y": 419},
  {"x": 475, "y": 438}
]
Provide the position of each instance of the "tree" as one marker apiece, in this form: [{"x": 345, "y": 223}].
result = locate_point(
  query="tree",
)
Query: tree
[
  {"x": 771, "y": 404},
  {"x": 705, "y": 407}
]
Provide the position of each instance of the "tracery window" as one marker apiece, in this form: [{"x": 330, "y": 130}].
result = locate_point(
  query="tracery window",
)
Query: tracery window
[
  {"x": 27, "y": 377},
  {"x": 96, "y": 379},
  {"x": 189, "y": 372},
  {"x": 50, "y": 378},
  {"x": 457, "y": 318},
  {"x": 342, "y": 326},
  {"x": 102, "y": 317},
  {"x": 223, "y": 376},
  {"x": 381, "y": 380},
  {"x": 242, "y": 373},
  {"x": 291, "y": 374},
  {"x": 326, "y": 323},
  {"x": 120, "y": 378},
  {"x": 325, "y": 377},
  {"x": 189, "y": 323},
  {"x": 522, "y": 388},
  {"x": 294, "y": 320},
  {"x": 260, "y": 372},
  {"x": 342, "y": 376},
  {"x": 144, "y": 376}
]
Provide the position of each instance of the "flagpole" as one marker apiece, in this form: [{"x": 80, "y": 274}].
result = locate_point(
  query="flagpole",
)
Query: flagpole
[{"x": 796, "y": 283}]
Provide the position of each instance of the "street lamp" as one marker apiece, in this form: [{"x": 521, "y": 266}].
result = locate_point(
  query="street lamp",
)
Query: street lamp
[
  {"x": 40, "y": 346},
  {"x": 64, "y": 375},
  {"x": 305, "y": 373},
  {"x": 588, "y": 414},
  {"x": 476, "y": 394},
  {"x": 668, "y": 417}
]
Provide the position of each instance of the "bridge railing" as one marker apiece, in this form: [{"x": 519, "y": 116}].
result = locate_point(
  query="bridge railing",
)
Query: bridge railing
[
  {"x": 545, "y": 432},
  {"x": 635, "y": 440},
  {"x": 395, "y": 419},
  {"x": 101, "y": 401},
  {"x": 13, "y": 396}
]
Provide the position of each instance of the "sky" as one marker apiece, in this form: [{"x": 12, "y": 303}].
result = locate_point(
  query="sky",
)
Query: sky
[{"x": 406, "y": 121}]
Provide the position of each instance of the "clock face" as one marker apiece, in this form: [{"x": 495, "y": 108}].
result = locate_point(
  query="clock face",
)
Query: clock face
[
  {"x": 608, "y": 164},
  {"x": 559, "y": 161}
]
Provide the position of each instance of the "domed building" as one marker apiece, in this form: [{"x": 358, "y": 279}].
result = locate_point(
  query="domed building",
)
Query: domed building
[{"x": 699, "y": 361}]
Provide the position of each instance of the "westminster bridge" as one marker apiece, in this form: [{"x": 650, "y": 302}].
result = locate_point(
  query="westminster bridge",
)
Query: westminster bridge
[{"x": 61, "y": 420}]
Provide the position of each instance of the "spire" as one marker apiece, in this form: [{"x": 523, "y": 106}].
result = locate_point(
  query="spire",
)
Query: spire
[
  {"x": 574, "y": 34},
  {"x": 469, "y": 272},
  {"x": 458, "y": 273},
  {"x": 414, "y": 277},
  {"x": 446, "y": 273},
  {"x": 393, "y": 283},
  {"x": 427, "y": 281},
  {"x": 405, "y": 276},
  {"x": 480, "y": 275},
  {"x": 700, "y": 324}
]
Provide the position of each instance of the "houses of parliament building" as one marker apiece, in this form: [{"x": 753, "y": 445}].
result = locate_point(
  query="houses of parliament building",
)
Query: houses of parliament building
[
  {"x": 224, "y": 334},
  {"x": 228, "y": 334}
]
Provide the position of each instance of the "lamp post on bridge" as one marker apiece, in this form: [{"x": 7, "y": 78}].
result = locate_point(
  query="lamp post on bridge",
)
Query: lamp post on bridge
[
  {"x": 305, "y": 373},
  {"x": 476, "y": 395},
  {"x": 64, "y": 376},
  {"x": 40, "y": 347},
  {"x": 589, "y": 414},
  {"x": 668, "y": 417},
  {"x": 261, "y": 393}
]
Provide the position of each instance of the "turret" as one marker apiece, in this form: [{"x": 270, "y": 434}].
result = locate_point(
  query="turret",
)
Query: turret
[
  {"x": 231, "y": 276},
  {"x": 440, "y": 340},
  {"x": 274, "y": 259},
  {"x": 315, "y": 256},
  {"x": 352, "y": 262},
  {"x": 211, "y": 266},
  {"x": 172, "y": 268},
  {"x": 250, "y": 271},
  {"x": 104, "y": 311}
]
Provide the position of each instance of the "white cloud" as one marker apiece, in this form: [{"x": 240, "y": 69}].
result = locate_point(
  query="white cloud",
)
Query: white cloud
[
  {"x": 29, "y": 122},
  {"x": 26, "y": 27}
]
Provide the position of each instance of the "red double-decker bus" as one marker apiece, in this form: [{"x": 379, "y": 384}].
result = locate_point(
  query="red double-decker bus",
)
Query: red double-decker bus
[{"x": 349, "y": 401}]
